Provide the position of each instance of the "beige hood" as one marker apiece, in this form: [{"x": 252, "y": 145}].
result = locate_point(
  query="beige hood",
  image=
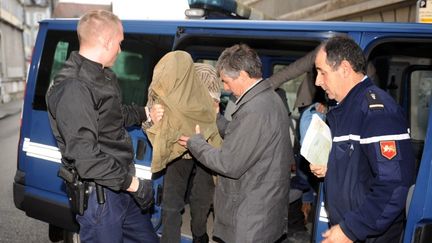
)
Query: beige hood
[{"x": 186, "y": 102}]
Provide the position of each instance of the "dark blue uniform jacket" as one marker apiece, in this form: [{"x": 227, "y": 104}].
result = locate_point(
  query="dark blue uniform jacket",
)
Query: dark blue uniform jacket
[{"x": 371, "y": 163}]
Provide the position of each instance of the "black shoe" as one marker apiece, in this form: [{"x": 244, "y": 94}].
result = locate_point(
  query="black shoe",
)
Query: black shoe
[{"x": 201, "y": 239}]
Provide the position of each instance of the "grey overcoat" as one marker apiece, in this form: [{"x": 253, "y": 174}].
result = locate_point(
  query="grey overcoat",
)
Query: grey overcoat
[{"x": 251, "y": 196}]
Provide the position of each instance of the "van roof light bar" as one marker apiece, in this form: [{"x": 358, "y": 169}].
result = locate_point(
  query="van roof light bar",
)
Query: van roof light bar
[{"x": 222, "y": 9}]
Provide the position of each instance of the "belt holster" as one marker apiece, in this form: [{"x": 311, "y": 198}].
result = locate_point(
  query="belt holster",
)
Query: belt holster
[{"x": 77, "y": 189}]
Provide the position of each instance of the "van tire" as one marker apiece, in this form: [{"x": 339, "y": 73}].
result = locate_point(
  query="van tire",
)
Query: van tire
[
  {"x": 57, "y": 234},
  {"x": 70, "y": 237}
]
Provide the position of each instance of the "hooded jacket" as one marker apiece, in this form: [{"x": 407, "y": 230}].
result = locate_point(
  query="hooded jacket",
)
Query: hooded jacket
[{"x": 186, "y": 102}]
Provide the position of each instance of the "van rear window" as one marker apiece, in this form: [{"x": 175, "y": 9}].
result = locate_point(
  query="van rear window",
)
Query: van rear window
[
  {"x": 57, "y": 47},
  {"x": 134, "y": 65},
  {"x": 60, "y": 56}
]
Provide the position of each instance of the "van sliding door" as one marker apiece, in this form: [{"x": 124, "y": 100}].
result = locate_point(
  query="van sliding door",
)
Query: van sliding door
[{"x": 402, "y": 65}]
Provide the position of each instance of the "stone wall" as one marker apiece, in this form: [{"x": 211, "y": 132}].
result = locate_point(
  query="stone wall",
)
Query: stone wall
[
  {"x": 12, "y": 60},
  {"x": 340, "y": 10}
]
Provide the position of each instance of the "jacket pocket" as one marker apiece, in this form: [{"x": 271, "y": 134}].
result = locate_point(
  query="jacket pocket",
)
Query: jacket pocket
[
  {"x": 226, "y": 206},
  {"x": 344, "y": 150}
]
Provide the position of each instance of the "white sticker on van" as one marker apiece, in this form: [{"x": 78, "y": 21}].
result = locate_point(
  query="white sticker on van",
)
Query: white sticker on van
[
  {"x": 51, "y": 153},
  {"x": 323, "y": 214},
  {"x": 142, "y": 171},
  {"x": 41, "y": 151}
]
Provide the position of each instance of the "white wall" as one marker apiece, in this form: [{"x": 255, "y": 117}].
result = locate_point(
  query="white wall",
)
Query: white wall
[{"x": 150, "y": 9}]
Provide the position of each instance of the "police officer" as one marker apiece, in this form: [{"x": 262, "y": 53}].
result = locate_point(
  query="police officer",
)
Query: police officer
[
  {"x": 371, "y": 163},
  {"x": 88, "y": 121}
]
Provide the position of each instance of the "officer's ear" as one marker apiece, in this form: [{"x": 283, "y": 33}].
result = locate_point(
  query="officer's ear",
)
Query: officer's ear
[
  {"x": 104, "y": 39},
  {"x": 345, "y": 68}
]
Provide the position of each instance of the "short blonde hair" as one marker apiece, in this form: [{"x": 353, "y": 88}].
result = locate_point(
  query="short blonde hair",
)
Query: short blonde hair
[
  {"x": 206, "y": 73},
  {"x": 94, "y": 22}
]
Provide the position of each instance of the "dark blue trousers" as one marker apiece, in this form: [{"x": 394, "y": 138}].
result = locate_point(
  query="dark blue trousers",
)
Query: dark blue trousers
[{"x": 119, "y": 219}]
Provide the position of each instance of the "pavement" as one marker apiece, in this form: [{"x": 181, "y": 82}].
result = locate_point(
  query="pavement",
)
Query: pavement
[{"x": 11, "y": 108}]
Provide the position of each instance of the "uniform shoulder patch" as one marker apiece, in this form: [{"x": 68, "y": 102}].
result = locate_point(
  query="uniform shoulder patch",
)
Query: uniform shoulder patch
[
  {"x": 388, "y": 149},
  {"x": 374, "y": 101}
]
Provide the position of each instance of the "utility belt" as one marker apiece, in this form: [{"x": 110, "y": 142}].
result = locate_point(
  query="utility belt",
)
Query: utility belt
[{"x": 78, "y": 190}]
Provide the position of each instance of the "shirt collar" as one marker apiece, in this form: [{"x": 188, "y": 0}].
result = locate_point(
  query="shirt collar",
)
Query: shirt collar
[{"x": 247, "y": 90}]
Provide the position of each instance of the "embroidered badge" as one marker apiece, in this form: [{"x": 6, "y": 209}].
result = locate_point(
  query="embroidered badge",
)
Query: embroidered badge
[
  {"x": 388, "y": 149},
  {"x": 374, "y": 101}
]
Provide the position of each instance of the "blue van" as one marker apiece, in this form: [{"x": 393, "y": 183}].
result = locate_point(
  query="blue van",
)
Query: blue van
[{"x": 401, "y": 54}]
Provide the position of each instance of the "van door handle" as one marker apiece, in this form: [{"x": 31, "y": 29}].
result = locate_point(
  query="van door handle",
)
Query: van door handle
[{"x": 140, "y": 150}]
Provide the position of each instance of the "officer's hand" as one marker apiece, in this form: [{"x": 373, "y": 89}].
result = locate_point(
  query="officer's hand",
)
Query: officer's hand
[
  {"x": 144, "y": 196},
  {"x": 336, "y": 235},
  {"x": 318, "y": 170},
  {"x": 321, "y": 108},
  {"x": 156, "y": 113}
]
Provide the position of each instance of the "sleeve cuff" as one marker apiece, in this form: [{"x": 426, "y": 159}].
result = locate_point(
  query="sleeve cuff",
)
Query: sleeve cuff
[
  {"x": 192, "y": 143},
  {"x": 347, "y": 231},
  {"x": 141, "y": 113},
  {"x": 127, "y": 183}
]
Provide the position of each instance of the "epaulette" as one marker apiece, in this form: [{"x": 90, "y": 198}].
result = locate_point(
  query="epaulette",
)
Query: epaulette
[{"x": 374, "y": 101}]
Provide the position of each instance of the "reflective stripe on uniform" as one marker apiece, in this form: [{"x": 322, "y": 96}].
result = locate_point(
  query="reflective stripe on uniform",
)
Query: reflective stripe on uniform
[{"x": 373, "y": 139}]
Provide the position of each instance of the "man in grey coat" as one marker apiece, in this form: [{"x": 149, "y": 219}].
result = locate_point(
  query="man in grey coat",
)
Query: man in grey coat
[{"x": 253, "y": 163}]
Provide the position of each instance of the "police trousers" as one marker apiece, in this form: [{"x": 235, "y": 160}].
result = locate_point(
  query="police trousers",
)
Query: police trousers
[{"x": 119, "y": 219}]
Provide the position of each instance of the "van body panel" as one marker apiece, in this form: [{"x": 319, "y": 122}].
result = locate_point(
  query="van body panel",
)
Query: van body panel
[{"x": 420, "y": 210}]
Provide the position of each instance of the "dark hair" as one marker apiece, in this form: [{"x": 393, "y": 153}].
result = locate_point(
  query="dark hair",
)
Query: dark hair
[
  {"x": 237, "y": 58},
  {"x": 341, "y": 48}
]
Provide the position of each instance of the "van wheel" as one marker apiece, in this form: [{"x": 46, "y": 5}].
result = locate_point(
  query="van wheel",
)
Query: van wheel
[
  {"x": 70, "y": 237},
  {"x": 57, "y": 234}
]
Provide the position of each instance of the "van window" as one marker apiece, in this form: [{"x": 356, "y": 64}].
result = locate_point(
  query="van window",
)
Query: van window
[
  {"x": 401, "y": 66},
  {"x": 291, "y": 88},
  {"x": 420, "y": 93},
  {"x": 134, "y": 65},
  {"x": 57, "y": 47},
  {"x": 131, "y": 69},
  {"x": 60, "y": 56},
  {"x": 208, "y": 61}
]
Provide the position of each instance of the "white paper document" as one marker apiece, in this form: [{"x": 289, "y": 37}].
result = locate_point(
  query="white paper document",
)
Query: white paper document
[{"x": 317, "y": 142}]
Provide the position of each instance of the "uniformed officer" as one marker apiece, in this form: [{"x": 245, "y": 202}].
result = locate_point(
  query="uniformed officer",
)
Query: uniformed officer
[{"x": 371, "y": 163}]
